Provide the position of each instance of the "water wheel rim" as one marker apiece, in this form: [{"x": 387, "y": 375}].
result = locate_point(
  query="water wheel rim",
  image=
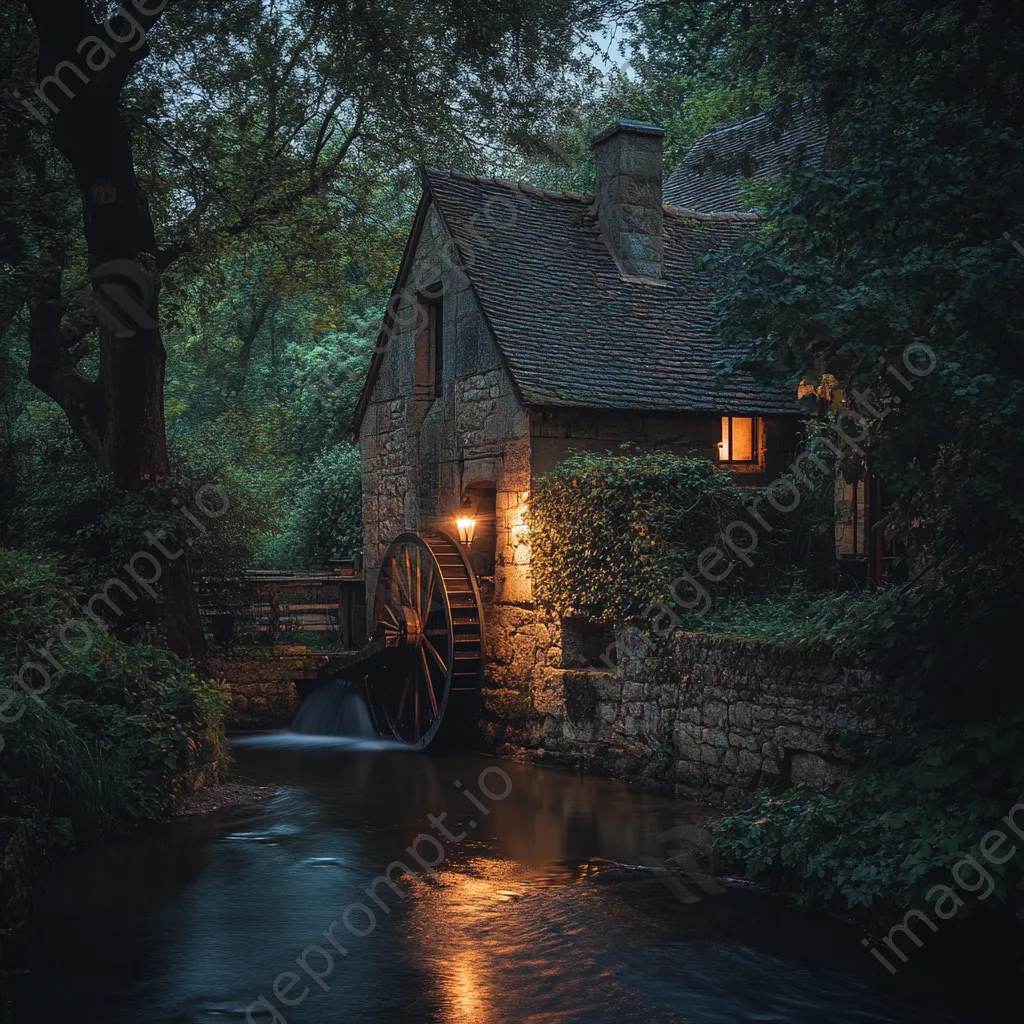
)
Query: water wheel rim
[{"x": 413, "y": 612}]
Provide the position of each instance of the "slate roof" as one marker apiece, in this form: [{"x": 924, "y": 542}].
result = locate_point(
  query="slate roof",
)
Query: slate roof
[
  {"x": 708, "y": 178},
  {"x": 573, "y": 332}
]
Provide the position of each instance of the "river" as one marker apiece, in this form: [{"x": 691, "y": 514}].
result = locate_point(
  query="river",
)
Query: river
[{"x": 549, "y": 909}]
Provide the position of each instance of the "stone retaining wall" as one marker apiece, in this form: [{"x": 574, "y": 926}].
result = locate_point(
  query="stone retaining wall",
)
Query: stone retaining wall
[
  {"x": 717, "y": 719},
  {"x": 263, "y": 690}
]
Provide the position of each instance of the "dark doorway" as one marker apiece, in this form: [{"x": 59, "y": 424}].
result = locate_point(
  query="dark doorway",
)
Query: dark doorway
[{"x": 479, "y": 503}]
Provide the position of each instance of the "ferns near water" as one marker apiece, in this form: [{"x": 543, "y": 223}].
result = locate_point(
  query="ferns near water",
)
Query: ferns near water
[{"x": 121, "y": 732}]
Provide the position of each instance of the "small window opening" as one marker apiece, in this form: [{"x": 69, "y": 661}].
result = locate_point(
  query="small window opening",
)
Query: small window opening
[
  {"x": 436, "y": 327},
  {"x": 739, "y": 439}
]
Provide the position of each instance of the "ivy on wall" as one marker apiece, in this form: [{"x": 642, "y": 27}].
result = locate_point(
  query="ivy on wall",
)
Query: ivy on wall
[{"x": 611, "y": 532}]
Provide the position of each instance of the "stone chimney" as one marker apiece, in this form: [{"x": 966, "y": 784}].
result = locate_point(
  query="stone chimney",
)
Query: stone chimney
[{"x": 627, "y": 157}]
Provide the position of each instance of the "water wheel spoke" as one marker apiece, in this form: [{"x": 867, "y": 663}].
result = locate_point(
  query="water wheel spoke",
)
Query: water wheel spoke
[
  {"x": 430, "y": 596},
  {"x": 430, "y": 682},
  {"x": 416, "y": 702},
  {"x": 437, "y": 657},
  {"x": 402, "y": 592},
  {"x": 405, "y": 694}
]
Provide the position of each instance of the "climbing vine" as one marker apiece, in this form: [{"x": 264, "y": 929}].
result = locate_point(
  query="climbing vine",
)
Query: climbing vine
[{"x": 611, "y": 532}]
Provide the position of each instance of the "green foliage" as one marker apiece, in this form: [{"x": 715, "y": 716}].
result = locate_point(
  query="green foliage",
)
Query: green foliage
[
  {"x": 900, "y": 240},
  {"x": 797, "y": 618},
  {"x": 664, "y": 83},
  {"x": 120, "y": 733},
  {"x": 611, "y": 534},
  {"x": 889, "y": 833},
  {"x": 325, "y": 519},
  {"x": 66, "y": 509}
]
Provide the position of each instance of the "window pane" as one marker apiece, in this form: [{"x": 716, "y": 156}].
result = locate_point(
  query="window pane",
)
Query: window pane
[
  {"x": 742, "y": 439},
  {"x": 724, "y": 448}
]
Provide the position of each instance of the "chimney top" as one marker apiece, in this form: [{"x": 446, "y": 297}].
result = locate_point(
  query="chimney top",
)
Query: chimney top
[
  {"x": 627, "y": 161},
  {"x": 634, "y": 127}
]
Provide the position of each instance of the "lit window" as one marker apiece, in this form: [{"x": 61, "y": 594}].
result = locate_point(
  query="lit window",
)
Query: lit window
[{"x": 739, "y": 439}]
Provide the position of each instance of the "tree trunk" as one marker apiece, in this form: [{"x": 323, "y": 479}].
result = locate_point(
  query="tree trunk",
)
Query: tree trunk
[{"x": 122, "y": 412}]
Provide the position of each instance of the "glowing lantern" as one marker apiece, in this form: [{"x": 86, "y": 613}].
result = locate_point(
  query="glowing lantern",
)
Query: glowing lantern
[{"x": 467, "y": 527}]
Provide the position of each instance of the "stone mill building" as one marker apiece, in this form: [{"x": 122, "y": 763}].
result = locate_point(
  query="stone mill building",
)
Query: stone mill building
[{"x": 525, "y": 323}]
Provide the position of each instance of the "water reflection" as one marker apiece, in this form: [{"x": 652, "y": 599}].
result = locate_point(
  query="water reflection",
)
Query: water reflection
[{"x": 540, "y": 914}]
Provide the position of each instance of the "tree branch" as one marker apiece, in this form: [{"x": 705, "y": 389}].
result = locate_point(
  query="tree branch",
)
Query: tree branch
[
  {"x": 51, "y": 370},
  {"x": 63, "y": 25}
]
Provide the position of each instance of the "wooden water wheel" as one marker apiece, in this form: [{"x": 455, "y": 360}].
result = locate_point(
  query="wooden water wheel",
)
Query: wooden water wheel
[{"x": 427, "y": 609}]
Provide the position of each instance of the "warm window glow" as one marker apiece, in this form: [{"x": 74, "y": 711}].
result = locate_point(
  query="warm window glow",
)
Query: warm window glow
[{"x": 739, "y": 439}]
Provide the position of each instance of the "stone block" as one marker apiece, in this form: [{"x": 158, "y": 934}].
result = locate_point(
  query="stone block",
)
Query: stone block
[
  {"x": 740, "y": 716},
  {"x": 797, "y": 738},
  {"x": 714, "y": 737},
  {"x": 715, "y": 714},
  {"x": 549, "y": 695}
]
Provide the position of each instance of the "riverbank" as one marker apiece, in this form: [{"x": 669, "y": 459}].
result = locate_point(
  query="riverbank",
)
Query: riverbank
[
  {"x": 231, "y": 792},
  {"x": 19, "y": 865}
]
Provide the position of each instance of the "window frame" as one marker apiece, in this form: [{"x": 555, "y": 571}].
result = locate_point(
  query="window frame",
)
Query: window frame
[
  {"x": 755, "y": 442},
  {"x": 435, "y": 336},
  {"x": 428, "y": 374}
]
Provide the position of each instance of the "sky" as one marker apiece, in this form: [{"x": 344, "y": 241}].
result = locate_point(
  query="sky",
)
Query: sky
[{"x": 608, "y": 41}]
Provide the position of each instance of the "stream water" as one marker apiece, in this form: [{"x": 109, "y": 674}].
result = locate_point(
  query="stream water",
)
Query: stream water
[{"x": 547, "y": 911}]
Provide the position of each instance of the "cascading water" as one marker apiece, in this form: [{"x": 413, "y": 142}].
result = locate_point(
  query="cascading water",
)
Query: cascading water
[{"x": 335, "y": 709}]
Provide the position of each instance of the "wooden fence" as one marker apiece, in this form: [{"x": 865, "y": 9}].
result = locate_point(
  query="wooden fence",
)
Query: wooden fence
[{"x": 277, "y": 602}]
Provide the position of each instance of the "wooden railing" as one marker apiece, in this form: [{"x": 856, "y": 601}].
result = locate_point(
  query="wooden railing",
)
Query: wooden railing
[{"x": 270, "y": 604}]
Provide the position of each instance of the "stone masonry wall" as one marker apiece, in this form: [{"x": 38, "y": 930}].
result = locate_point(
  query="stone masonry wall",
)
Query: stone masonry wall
[
  {"x": 717, "y": 720},
  {"x": 421, "y": 454}
]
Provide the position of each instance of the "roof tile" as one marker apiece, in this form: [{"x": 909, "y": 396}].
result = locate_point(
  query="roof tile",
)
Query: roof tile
[
  {"x": 708, "y": 178},
  {"x": 573, "y": 331}
]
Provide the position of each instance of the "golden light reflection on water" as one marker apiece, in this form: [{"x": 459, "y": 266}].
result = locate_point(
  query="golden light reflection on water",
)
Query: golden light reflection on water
[
  {"x": 461, "y": 911},
  {"x": 497, "y": 943}
]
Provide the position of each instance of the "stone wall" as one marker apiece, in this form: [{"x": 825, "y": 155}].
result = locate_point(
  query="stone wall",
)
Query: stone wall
[
  {"x": 263, "y": 685},
  {"x": 421, "y": 451},
  {"x": 717, "y": 719}
]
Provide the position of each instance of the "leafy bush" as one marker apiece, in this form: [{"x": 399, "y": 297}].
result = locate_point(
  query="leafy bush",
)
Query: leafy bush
[
  {"x": 890, "y": 832},
  {"x": 324, "y": 519},
  {"x": 610, "y": 534},
  {"x": 122, "y": 731},
  {"x": 74, "y": 514}
]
